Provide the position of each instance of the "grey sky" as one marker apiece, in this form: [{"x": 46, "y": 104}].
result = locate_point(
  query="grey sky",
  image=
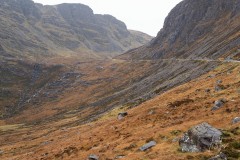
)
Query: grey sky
[{"x": 142, "y": 15}]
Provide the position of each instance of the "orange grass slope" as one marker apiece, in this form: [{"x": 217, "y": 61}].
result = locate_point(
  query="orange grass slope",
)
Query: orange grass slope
[{"x": 162, "y": 119}]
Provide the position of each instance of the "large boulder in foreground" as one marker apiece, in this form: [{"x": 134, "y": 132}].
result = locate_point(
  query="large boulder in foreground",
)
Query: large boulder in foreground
[{"x": 200, "y": 138}]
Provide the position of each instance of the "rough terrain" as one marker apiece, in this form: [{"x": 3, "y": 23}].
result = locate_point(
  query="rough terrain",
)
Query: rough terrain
[
  {"x": 163, "y": 119},
  {"x": 137, "y": 106}
]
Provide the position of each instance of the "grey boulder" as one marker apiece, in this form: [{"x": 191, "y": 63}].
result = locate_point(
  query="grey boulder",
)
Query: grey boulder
[
  {"x": 236, "y": 120},
  {"x": 200, "y": 138}
]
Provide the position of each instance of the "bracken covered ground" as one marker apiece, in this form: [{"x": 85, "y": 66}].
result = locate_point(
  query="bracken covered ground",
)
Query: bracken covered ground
[{"x": 163, "y": 119}]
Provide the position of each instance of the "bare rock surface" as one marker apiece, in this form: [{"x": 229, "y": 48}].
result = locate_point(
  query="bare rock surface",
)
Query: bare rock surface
[{"x": 200, "y": 138}]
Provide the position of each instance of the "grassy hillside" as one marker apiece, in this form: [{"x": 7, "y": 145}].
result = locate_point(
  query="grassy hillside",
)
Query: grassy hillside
[{"x": 162, "y": 119}]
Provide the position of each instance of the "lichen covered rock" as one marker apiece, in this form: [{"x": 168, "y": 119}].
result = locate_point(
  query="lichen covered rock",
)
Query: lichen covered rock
[{"x": 200, "y": 138}]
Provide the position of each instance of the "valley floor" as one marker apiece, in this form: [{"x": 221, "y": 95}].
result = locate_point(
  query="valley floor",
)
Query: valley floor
[{"x": 163, "y": 119}]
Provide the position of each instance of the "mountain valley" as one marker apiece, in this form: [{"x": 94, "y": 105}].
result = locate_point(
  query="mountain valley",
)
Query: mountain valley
[{"x": 65, "y": 82}]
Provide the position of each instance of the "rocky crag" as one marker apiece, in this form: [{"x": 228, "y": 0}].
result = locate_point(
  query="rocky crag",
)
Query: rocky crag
[
  {"x": 204, "y": 29},
  {"x": 34, "y": 31}
]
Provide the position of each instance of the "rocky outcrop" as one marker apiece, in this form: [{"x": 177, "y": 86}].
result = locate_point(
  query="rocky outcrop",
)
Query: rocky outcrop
[
  {"x": 200, "y": 138},
  {"x": 213, "y": 24},
  {"x": 36, "y": 31}
]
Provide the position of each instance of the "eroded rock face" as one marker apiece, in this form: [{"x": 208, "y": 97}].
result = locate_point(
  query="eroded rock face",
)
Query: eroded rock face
[
  {"x": 65, "y": 26},
  {"x": 200, "y": 138},
  {"x": 194, "y": 20}
]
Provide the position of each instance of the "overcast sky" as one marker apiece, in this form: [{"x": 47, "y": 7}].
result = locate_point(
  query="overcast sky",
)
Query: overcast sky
[{"x": 142, "y": 15}]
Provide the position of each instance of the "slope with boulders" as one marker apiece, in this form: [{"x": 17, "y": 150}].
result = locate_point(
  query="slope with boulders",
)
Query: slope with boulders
[
  {"x": 156, "y": 125},
  {"x": 86, "y": 87}
]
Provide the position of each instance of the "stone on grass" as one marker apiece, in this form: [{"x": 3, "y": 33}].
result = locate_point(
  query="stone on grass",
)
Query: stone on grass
[
  {"x": 175, "y": 140},
  {"x": 122, "y": 115},
  {"x": 119, "y": 156},
  {"x": 218, "y": 104},
  {"x": 93, "y": 157},
  {"x": 200, "y": 138},
  {"x": 219, "y": 81},
  {"x": 236, "y": 120},
  {"x": 148, "y": 146},
  {"x": 221, "y": 156},
  {"x": 151, "y": 112},
  {"x": 219, "y": 88}
]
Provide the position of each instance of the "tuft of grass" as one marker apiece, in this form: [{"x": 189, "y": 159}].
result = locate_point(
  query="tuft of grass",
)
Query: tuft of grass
[
  {"x": 150, "y": 139},
  {"x": 236, "y": 131},
  {"x": 235, "y": 145},
  {"x": 231, "y": 152},
  {"x": 130, "y": 147},
  {"x": 176, "y": 132},
  {"x": 10, "y": 127},
  {"x": 226, "y": 134}
]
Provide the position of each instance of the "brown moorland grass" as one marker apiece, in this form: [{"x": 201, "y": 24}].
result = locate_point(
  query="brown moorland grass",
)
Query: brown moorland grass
[{"x": 109, "y": 137}]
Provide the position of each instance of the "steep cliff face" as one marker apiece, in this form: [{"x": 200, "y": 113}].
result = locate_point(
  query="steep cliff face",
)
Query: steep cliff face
[
  {"x": 36, "y": 31},
  {"x": 194, "y": 29}
]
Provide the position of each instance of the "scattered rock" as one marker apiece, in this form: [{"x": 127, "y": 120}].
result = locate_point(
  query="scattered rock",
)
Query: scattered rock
[
  {"x": 175, "y": 140},
  {"x": 93, "y": 157},
  {"x": 211, "y": 76},
  {"x": 208, "y": 90},
  {"x": 219, "y": 81},
  {"x": 45, "y": 143},
  {"x": 99, "y": 68},
  {"x": 151, "y": 112},
  {"x": 221, "y": 156},
  {"x": 148, "y": 146},
  {"x": 1, "y": 152},
  {"x": 200, "y": 138},
  {"x": 219, "y": 88},
  {"x": 218, "y": 104},
  {"x": 236, "y": 120},
  {"x": 119, "y": 156},
  {"x": 122, "y": 115}
]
